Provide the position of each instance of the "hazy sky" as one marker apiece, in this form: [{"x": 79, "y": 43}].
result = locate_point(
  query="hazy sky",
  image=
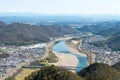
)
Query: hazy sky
[{"x": 61, "y": 6}]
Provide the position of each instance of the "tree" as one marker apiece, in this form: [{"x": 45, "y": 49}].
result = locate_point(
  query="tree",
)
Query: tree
[{"x": 53, "y": 73}]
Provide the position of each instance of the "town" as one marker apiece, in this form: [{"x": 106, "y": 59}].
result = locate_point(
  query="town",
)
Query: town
[
  {"x": 18, "y": 56},
  {"x": 102, "y": 54}
]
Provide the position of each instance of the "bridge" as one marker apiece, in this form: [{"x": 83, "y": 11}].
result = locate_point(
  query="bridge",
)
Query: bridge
[{"x": 67, "y": 67}]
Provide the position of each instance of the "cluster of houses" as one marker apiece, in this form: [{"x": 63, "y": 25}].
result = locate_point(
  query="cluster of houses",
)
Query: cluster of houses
[
  {"x": 20, "y": 55},
  {"x": 102, "y": 54}
]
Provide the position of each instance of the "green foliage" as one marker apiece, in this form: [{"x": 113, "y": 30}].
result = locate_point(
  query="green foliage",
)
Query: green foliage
[
  {"x": 111, "y": 31},
  {"x": 19, "y": 43},
  {"x": 95, "y": 28},
  {"x": 52, "y": 58},
  {"x": 25, "y": 34},
  {"x": 53, "y": 73},
  {"x": 42, "y": 62},
  {"x": 76, "y": 39},
  {"x": 35, "y": 63},
  {"x": 114, "y": 36},
  {"x": 10, "y": 78},
  {"x": 113, "y": 42},
  {"x": 117, "y": 66},
  {"x": 99, "y": 71}
]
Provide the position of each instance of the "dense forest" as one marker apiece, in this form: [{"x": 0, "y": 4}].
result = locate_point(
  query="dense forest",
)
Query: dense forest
[
  {"x": 22, "y": 34},
  {"x": 100, "y": 71}
]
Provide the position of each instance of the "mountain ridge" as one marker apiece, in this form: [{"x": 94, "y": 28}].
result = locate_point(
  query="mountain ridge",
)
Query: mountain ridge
[{"x": 19, "y": 33}]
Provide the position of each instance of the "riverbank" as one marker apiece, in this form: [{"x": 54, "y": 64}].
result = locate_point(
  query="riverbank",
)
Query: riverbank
[
  {"x": 66, "y": 59},
  {"x": 73, "y": 47}
]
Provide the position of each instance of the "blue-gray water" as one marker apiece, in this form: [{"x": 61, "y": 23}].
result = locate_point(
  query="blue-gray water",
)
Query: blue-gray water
[{"x": 62, "y": 48}]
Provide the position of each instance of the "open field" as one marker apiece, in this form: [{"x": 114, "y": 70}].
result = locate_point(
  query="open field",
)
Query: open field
[{"x": 24, "y": 73}]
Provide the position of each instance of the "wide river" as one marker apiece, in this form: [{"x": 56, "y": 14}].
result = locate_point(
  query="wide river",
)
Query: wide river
[{"x": 61, "y": 48}]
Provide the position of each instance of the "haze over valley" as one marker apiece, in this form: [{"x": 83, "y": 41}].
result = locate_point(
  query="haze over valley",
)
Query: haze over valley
[{"x": 59, "y": 40}]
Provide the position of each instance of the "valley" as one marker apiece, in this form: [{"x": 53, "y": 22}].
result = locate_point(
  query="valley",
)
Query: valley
[{"x": 59, "y": 45}]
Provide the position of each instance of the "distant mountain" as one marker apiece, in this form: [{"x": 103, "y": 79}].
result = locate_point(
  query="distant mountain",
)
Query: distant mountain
[
  {"x": 109, "y": 30},
  {"x": 117, "y": 66},
  {"x": 114, "y": 42},
  {"x": 99, "y": 71},
  {"x": 21, "y": 34},
  {"x": 113, "y": 35},
  {"x": 39, "y": 19},
  {"x": 97, "y": 27}
]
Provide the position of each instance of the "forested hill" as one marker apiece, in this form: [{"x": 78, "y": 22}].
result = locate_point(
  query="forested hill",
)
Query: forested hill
[
  {"x": 53, "y": 73},
  {"x": 110, "y": 30},
  {"x": 21, "y": 34},
  {"x": 114, "y": 37},
  {"x": 117, "y": 66},
  {"x": 97, "y": 27},
  {"x": 100, "y": 71},
  {"x": 114, "y": 42}
]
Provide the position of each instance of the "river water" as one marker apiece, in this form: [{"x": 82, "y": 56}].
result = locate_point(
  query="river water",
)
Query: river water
[{"x": 61, "y": 48}]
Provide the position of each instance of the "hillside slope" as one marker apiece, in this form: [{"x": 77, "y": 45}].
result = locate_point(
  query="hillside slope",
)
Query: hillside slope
[
  {"x": 99, "y": 71},
  {"x": 117, "y": 66},
  {"x": 113, "y": 35},
  {"x": 114, "y": 42},
  {"x": 53, "y": 73},
  {"x": 111, "y": 31},
  {"x": 98, "y": 27},
  {"x": 20, "y": 34}
]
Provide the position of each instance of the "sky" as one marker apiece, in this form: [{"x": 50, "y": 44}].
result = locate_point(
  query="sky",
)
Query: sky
[{"x": 61, "y": 6}]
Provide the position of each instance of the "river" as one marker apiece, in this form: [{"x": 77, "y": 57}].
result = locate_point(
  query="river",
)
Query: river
[{"x": 61, "y": 48}]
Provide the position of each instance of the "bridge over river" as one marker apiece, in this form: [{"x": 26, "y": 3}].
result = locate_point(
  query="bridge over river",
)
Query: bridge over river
[
  {"x": 33, "y": 67},
  {"x": 66, "y": 67}
]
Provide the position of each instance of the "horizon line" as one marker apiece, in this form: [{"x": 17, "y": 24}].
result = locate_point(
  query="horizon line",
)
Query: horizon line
[{"x": 66, "y": 14}]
